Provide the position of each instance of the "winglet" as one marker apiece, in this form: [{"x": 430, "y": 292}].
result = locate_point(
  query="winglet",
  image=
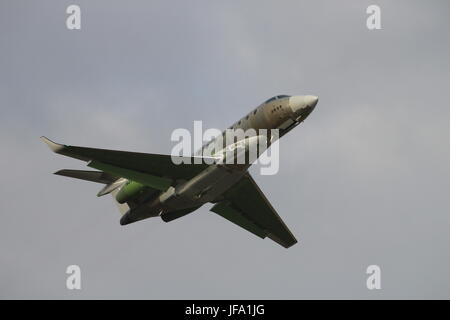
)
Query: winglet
[{"x": 55, "y": 147}]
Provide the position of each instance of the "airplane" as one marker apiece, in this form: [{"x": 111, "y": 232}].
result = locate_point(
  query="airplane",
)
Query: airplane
[{"x": 150, "y": 185}]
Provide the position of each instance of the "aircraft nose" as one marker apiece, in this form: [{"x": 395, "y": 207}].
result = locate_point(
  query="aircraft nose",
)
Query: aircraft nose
[
  {"x": 311, "y": 101},
  {"x": 300, "y": 104}
]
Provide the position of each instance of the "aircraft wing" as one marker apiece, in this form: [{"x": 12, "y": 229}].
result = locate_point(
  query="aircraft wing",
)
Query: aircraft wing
[
  {"x": 153, "y": 170},
  {"x": 246, "y": 206}
]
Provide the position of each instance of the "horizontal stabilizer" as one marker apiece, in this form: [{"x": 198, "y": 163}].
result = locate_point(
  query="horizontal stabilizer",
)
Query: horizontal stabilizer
[{"x": 93, "y": 176}]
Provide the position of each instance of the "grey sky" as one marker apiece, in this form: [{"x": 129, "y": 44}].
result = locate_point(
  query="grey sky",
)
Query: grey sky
[{"x": 365, "y": 180}]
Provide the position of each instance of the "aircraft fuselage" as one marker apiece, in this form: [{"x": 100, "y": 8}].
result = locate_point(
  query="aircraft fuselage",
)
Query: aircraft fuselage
[{"x": 281, "y": 112}]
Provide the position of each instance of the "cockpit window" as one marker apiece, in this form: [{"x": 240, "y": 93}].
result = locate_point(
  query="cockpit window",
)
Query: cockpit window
[
  {"x": 277, "y": 97},
  {"x": 271, "y": 99}
]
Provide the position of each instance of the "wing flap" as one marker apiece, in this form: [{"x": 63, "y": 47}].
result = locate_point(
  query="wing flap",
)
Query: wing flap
[
  {"x": 226, "y": 211},
  {"x": 146, "y": 179}
]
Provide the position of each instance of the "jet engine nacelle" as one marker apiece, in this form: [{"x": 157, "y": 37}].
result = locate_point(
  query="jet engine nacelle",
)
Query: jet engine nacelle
[{"x": 130, "y": 191}]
